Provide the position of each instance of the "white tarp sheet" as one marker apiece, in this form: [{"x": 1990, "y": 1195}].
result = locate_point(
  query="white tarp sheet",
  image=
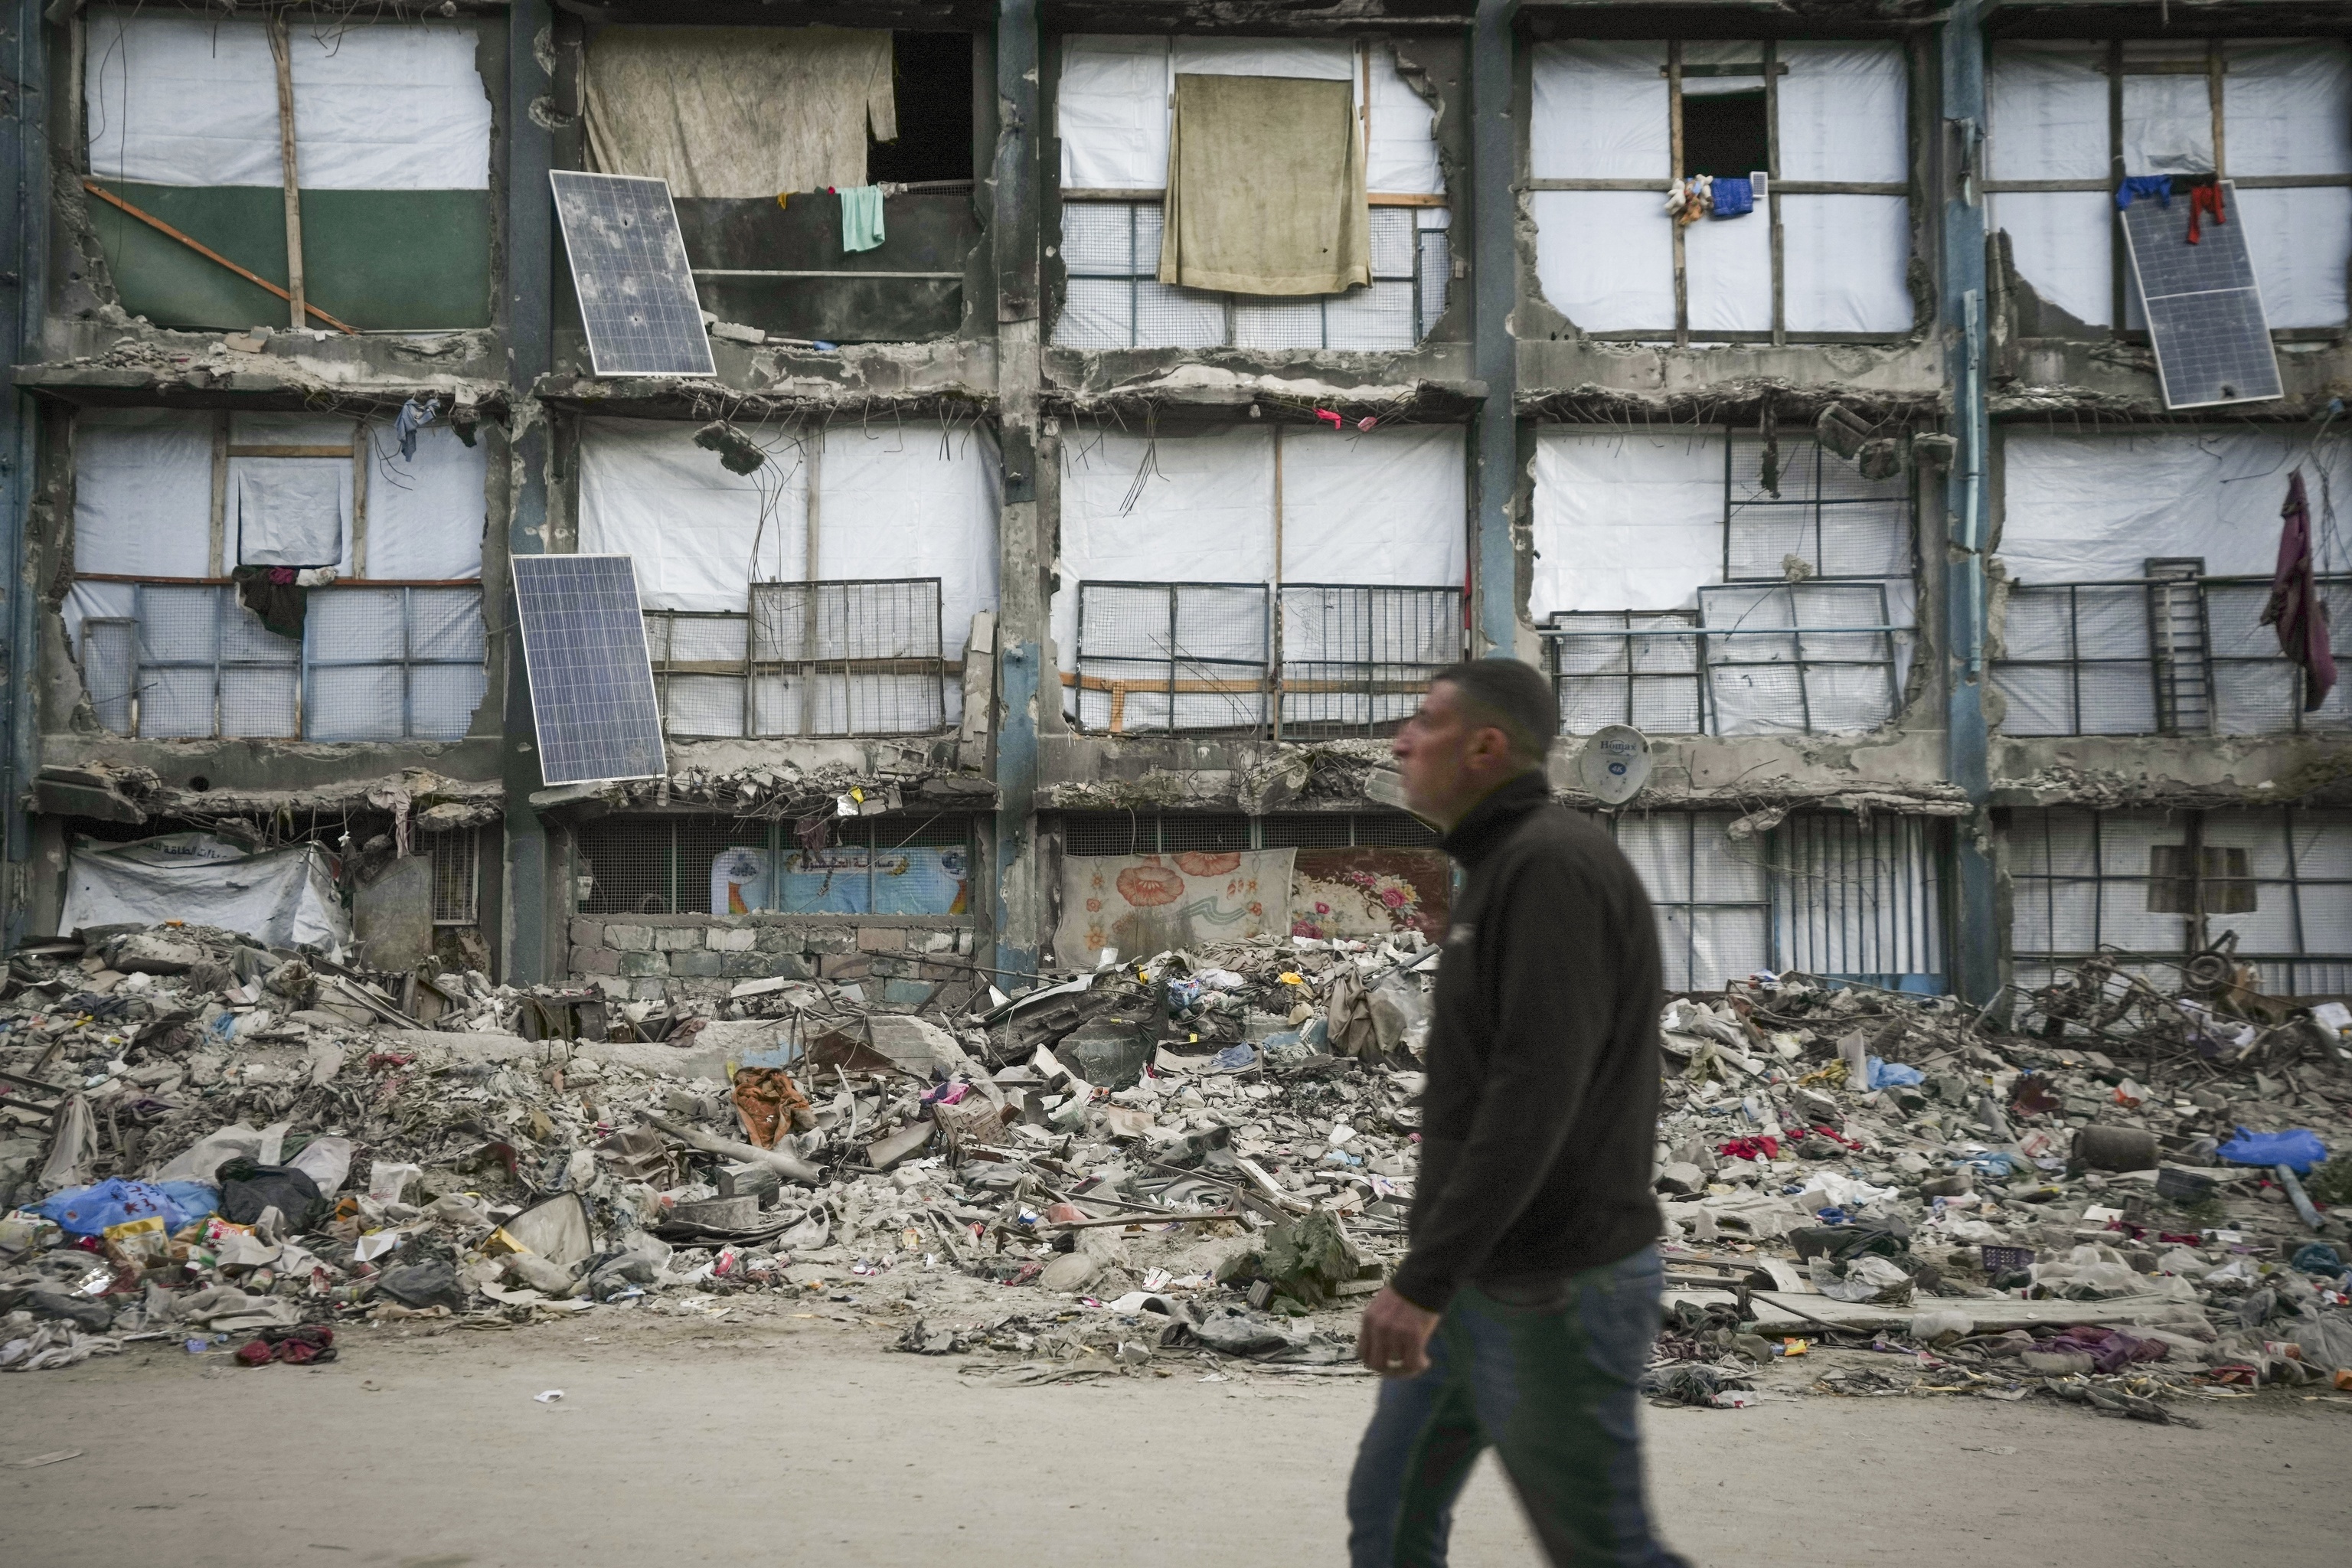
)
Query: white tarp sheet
[
  {"x": 913, "y": 501},
  {"x": 1626, "y": 518},
  {"x": 289, "y": 512},
  {"x": 2094, "y": 509},
  {"x": 1111, "y": 109},
  {"x": 1605, "y": 258},
  {"x": 283, "y": 897},
  {"x": 143, "y": 499},
  {"x": 2286, "y": 110},
  {"x": 1383, "y": 507},
  {"x": 378, "y": 106}
]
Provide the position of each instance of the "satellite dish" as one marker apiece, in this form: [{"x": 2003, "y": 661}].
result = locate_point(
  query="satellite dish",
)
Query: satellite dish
[{"x": 1615, "y": 764}]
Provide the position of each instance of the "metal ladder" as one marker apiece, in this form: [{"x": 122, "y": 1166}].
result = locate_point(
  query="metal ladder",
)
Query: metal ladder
[{"x": 2180, "y": 645}]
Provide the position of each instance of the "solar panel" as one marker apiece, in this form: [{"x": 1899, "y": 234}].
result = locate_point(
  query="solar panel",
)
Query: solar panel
[
  {"x": 2204, "y": 308},
  {"x": 629, "y": 270},
  {"x": 592, "y": 685}
]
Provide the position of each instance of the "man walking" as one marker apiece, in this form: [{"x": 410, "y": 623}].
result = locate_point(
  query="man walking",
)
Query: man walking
[{"x": 1525, "y": 1305}]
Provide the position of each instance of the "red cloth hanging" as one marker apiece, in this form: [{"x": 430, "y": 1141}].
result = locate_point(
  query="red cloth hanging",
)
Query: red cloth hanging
[
  {"x": 2296, "y": 607},
  {"x": 2204, "y": 199}
]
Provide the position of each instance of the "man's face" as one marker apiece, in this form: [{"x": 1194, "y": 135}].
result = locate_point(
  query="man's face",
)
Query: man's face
[{"x": 1446, "y": 762}]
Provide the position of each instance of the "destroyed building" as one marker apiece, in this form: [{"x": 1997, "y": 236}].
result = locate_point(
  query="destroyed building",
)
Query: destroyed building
[{"x": 1060, "y": 440}]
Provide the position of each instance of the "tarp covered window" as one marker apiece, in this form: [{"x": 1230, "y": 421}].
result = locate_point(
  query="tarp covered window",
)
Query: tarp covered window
[
  {"x": 1337, "y": 549},
  {"x": 895, "y": 508},
  {"x": 1827, "y": 126},
  {"x": 2107, "y": 884},
  {"x": 2273, "y": 116},
  {"x": 1641, "y": 533},
  {"x": 2137, "y": 568},
  {"x": 392, "y": 131},
  {"x": 393, "y": 648},
  {"x": 1113, "y": 116},
  {"x": 283, "y": 897}
]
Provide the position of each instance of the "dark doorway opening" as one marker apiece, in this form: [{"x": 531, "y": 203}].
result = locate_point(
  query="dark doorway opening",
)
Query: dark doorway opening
[{"x": 935, "y": 106}]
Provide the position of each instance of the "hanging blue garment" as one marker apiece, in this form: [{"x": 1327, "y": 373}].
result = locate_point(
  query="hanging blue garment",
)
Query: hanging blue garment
[
  {"x": 2136, "y": 185},
  {"x": 1734, "y": 197}
]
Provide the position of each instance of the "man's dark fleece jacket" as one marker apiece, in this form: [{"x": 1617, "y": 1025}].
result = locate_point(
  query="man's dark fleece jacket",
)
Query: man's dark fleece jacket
[{"x": 1542, "y": 1104}]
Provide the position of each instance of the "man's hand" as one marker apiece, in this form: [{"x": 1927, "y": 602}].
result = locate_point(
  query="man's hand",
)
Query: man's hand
[{"x": 1394, "y": 1339}]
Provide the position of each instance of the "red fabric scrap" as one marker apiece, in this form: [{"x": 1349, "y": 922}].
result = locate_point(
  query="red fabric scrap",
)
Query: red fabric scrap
[
  {"x": 1763, "y": 1146},
  {"x": 2204, "y": 199},
  {"x": 2296, "y": 608}
]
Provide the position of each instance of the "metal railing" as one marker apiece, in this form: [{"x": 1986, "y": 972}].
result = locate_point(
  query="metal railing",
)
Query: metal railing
[
  {"x": 862, "y": 657},
  {"x": 377, "y": 661},
  {"x": 1810, "y": 657},
  {"x": 2161, "y": 655},
  {"x": 1304, "y": 659}
]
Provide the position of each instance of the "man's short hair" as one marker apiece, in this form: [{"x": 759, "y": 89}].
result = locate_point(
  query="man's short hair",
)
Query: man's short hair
[{"x": 1512, "y": 697}]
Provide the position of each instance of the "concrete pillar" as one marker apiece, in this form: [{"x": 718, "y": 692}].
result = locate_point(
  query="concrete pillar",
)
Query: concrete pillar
[
  {"x": 23, "y": 239},
  {"x": 1977, "y": 939},
  {"x": 528, "y": 256},
  {"x": 1494, "y": 291},
  {"x": 1023, "y": 681}
]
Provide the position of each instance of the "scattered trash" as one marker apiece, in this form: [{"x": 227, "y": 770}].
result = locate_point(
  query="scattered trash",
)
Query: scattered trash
[{"x": 550, "y": 1397}]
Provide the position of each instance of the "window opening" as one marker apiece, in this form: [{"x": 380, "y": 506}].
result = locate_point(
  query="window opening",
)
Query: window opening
[
  {"x": 934, "y": 93},
  {"x": 1726, "y": 134},
  {"x": 894, "y": 865},
  {"x": 1159, "y": 833},
  {"x": 456, "y": 876}
]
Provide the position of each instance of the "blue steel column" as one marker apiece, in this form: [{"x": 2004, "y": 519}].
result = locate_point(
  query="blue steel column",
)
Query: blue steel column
[
  {"x": 1021, "y": 610},
  {"x": 1494, "y": 293},
  {"x": 529, "y": 255},
  {"x": 1976, "y": 935},
  {"x": 24, "y": 209}
]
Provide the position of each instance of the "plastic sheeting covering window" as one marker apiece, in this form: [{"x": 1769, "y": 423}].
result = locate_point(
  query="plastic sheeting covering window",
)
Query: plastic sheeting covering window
[
  {"x": 1626, "y": 518},
  {"x": 1171, "y": 656},
  {"x": 1712, "y": 898},
  {"x": 2084, "y": 883},
  {"x": 282, "y": 897},
  {"x": 2080, "y": 659},
  {"x": 1825, "y": 514},
  {"x": 1113, "y": 296},
  {"x": 2096, "y": 508},
  {"x": 1355, "y": 660},
  {"x": 373, "y": 663},
  {"x": 291, "y": 513},
  {"x": 378, "y": 105},
  {"x": 1603, "y": 111},
  {"x": 701, "y": 535},
  {"x": 1111, "y": 106},
  {"x": 1763, "y": 682},
  {"x": 1358, "y": 508},
  {"x": 2286, "y": 114}
]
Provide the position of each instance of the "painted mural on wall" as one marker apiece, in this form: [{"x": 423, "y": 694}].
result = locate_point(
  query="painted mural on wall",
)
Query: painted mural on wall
[{"x": 1143, "y": 904}]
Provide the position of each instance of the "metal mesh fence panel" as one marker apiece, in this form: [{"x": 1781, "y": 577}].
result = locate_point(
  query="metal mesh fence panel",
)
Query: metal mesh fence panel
[
  {"x": 1357, "y": 658},
  {"x": 1821, "y": 681},
  {"x": 1172, "y": 656},
  {"x": 110, "y": 668},
  {"x": 442, "y": 698},
  {"x": 1826, "y": 514},
  {"x": 1856, "y": 898},
  {"x": 2257, "y": 691},
  {"x": 856, "y": 658},
  {"x": 1652, "y": 682},
  {"x": 456, "y": 876},
  {"x": 1436, "y": 279}
]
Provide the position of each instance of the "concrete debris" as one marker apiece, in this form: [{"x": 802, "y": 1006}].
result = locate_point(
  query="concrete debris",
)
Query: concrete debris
[{"x": 1206, "y": 1156}]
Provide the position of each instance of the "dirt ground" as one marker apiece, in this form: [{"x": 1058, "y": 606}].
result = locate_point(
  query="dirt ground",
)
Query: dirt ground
[{"x": 800, "y": 1439}]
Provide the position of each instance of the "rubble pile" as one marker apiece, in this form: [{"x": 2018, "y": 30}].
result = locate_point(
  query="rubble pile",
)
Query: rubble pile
[{"x": 2118, "y": 1196}]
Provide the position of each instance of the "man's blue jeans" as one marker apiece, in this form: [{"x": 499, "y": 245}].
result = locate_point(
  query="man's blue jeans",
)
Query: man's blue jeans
[{"x": 1545, "y": 1374}]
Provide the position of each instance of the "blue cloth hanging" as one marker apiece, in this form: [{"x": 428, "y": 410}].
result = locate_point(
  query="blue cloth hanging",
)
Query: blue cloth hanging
[
  {"x": 2136, "y": 185},
  {"x": 1734, "y": 197}
]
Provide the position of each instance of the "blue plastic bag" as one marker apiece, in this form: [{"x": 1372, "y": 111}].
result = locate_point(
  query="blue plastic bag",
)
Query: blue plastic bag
[
  {"x": 86, "y": 1211},
  {"x": 2298, "y": 1149},
  {"x": 1892, "y": 1075}
]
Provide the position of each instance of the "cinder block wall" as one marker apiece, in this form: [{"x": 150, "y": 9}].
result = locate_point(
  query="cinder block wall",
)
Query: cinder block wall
[{"x": 901, "y": 962}]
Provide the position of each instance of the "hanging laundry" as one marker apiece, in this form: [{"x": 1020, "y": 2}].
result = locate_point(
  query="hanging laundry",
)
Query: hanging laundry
[
  {"x": 2296, "y": 607},
  {"x": 2203, "y": 199},
  {"x": 272, "y": 594},
  {"x": 2139, "y": 187},
  {"x": 412, "y": 417},
  {"x": 861, "y": 217},
  {"x": 1687, "y": 201},
  {"x": 1735, "y": 196}
]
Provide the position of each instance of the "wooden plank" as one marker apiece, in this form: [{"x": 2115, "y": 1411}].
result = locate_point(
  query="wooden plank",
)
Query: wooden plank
[
  {"x": 339, "y": 454},
  {"x": 1674, "y": 135},
  {"x": 282, "y": 54},
  {"x": 1155, "y": 194}
]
